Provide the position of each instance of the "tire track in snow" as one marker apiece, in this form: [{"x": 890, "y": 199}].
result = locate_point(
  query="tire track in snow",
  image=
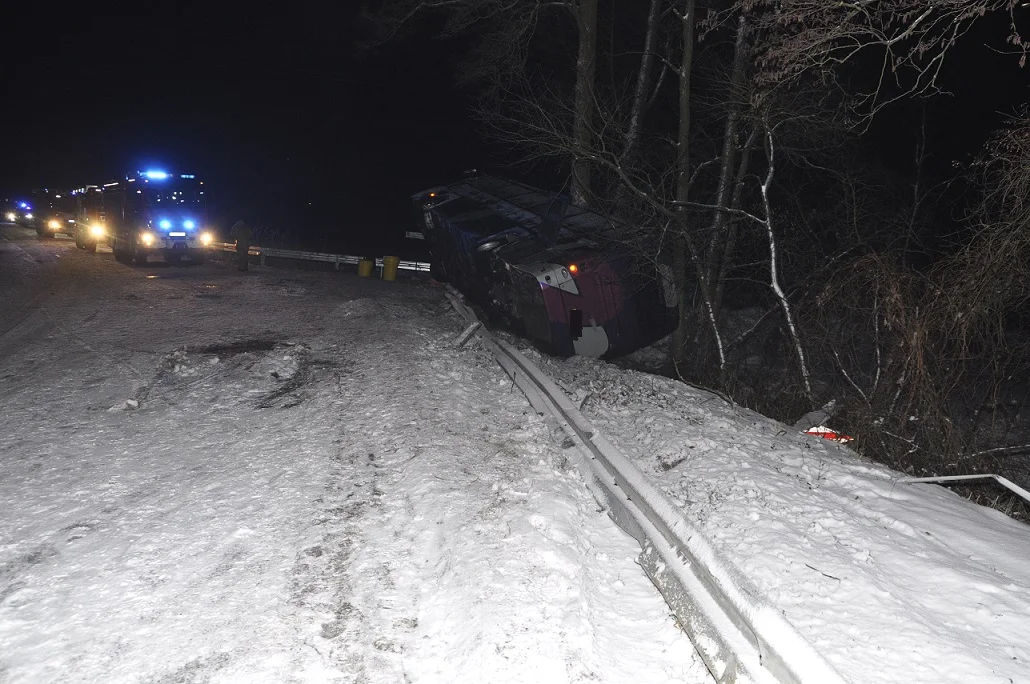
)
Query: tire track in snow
[{"x": 468, "y": 562}]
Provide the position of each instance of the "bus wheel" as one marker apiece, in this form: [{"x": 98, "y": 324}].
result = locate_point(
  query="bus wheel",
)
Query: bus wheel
[{"x": 90, "y": 247}]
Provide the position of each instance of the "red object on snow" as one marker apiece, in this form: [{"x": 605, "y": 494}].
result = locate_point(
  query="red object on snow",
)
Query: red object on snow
[{"x": 827, "y": 433}]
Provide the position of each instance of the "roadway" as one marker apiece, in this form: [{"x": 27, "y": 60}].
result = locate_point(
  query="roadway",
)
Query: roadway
[{"x": 289, "y": 476}]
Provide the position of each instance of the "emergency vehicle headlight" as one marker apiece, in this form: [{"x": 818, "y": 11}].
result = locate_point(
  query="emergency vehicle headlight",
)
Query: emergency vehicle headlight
[
  {"x": 189, "y": 225},
  {"x": 96, "y": 231},
  {"x": 54, "y": 224},
  {"x": 165, "y": 224},
  {"x": 10, "y": 216},
  {"x": 28, "y": 216},
  {"x": 206, "y": 238},
  {"x": 146, "y": 238}
]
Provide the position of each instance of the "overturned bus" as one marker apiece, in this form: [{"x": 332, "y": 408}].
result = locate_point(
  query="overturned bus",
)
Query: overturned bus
[{"x": 555, "y": 272}]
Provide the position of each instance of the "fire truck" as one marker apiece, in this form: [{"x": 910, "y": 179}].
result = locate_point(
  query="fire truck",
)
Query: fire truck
[
  {"x": 20, "y": 213},
  {"x": 89, "y": 217},
  {"x": 54, "y": 212},
  {"x": 146, "y": 214}
]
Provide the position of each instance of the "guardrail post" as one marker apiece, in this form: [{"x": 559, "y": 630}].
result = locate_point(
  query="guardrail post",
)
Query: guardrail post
[{"x": 461, "y": 339}]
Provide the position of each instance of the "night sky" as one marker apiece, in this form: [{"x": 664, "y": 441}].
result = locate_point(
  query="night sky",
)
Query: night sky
[
  {"x": 292, "y": 127},
  {"x": 279, "y": 112}
]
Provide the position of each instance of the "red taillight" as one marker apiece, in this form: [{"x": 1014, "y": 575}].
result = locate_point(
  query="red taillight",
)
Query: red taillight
[{"x": 573, "y": 269}]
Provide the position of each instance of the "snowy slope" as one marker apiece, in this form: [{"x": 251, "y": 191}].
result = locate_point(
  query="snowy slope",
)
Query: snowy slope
[{"x": 891, "y": 582}]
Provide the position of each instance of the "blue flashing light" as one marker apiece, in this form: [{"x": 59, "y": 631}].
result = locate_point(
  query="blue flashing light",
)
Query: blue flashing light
[
  {"x": 24, "y": 205},
  {"x": 155, "y": 175},
  {"x": 187, "y": 175},
  {"x": 189, "y": 225},
  {"x": 165, "y": 224}
]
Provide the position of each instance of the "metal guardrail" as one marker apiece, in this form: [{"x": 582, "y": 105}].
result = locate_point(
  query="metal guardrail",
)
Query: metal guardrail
[
  {"x": 741, "y": 637},
  {"x": 1004, "y": 482},
  {"x": 336, "y": 259}
]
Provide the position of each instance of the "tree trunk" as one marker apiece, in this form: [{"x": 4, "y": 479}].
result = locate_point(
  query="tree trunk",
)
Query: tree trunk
[
  {"x": 774, "y": 276},
  {"x": 733, "y": 225},
  {"x": 720, "y": 219},
  {"x": 680, "y": 256},
  {"x": 719, "y": 239},
  {"x": 586, "y": 65},
  {"x": 640, "y": 91}
]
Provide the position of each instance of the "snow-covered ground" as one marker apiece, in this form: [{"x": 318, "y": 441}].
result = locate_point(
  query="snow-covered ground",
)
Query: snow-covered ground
[
  {"x": 891, "y": 582},
  {"x": 286, "y": 476},
  {"x": 280, "y": 476}
]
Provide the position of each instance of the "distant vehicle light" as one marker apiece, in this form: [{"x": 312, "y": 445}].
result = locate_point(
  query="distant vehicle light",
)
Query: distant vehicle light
[
  {"x": 206, "y": 238},
  {"x": 10, "y": 216},
  {"x": 432, "y": 194},
  {"x": 155, "y": 175},
  {"x": 573, "y": 269},
  {"x": 28, "y": 216},
  {"x": 189, "y": 225},
  {"x": 165, "y": 224},
  {"x": 96, "y": 230},
  {"x": 147, "y": 238},
  {"x": 54, "y": 224}
]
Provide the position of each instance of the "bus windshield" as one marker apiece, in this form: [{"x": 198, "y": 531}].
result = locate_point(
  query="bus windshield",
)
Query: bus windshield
[{"x": 167, "y": 196}]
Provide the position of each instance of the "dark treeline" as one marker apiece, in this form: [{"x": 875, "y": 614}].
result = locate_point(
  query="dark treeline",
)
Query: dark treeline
[{"x": 837, "y": 191}]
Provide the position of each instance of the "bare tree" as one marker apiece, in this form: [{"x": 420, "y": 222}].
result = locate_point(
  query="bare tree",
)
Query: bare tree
[
  {"x": 505, "y": 27},
  {"x": 730, "y": 147},
  {"x": 498, "y": 62},
  {"x": 585, "y": 12},
  {"x": 683, "y": 248},
  {"x": 911, "y": 37},
  {"x": 931, "y": 359},
  {"x": 642, "y": 88},
  {"x": 774, "y": 274}
]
